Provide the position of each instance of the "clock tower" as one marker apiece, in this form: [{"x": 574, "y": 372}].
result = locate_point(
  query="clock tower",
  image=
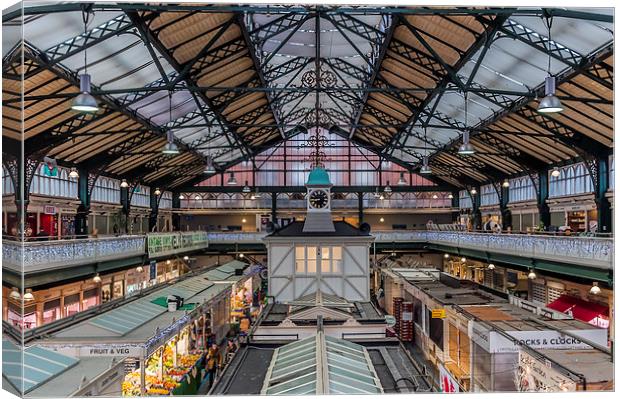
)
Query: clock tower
[{"x": 318, "y": 198}]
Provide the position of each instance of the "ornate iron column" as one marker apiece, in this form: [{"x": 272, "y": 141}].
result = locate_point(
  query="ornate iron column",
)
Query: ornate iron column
[
  {"x": 542, "y": 192},
  {"x": 176, "y": 218}
]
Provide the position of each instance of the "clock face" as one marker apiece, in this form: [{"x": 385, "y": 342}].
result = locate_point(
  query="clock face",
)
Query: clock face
[{"x": 319, "y": 199}]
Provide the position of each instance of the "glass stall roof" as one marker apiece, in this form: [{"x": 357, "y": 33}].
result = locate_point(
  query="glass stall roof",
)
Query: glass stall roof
[
  {"x": 39, "y": 365},
  {"x": 321, "y": 365}
]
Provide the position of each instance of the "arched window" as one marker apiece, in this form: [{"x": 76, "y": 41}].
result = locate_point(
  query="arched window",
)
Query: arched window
[
  {"x": 521, "y": 189},
  {"x": 464, "y": 200},
  {"x": 7, "y": 182},
  {"x": 56, "y": 184},
  {"x": 573, "y": 179},
  {"x": 488, "y": 195}
]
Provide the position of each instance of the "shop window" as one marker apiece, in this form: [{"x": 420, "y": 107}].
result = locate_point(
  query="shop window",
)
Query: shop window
[
  {"x": 51, "y": 311},
  {"x": 72, "y": 305},
  {"x": 435, "y": 330},
  {"x": 118, "y": 289},
  {"x": 106, "y": 293},
  {"x": 539, "y": 293},
  {"x": 25, "y": 320},
  {"x": 90, "y": 298}
]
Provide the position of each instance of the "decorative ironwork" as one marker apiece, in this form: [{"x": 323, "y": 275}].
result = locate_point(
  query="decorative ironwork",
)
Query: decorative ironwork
[
  {"x": 325, "y": 79},
  {"x": 317, "y": 142}
]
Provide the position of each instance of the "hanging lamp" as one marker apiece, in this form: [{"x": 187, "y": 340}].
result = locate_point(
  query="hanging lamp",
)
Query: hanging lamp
[
  {"x": 246, "y": 189},
  {"x": 124, "y": 183},
  {"x": 74, "y": 173},
  {"x": 232, "y": 181},
  {"x": 555, "y": 172},
  {"x": 157, "y": 191},
  {"x": 170, "y": 148},
  {"x": 595, "y": 290},
  {"x": 466, "y": 148},
  {"x": 401, "y": 179},
  {"x": 550, "y": 103},
  {"x": 387, "y": 188},
  {"x": 425, "y": 169},
  {"x": 85, "y": 102}
]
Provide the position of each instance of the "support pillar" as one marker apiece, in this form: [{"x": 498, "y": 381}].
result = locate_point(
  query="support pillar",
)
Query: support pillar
[
  {"x": 154, "y": 210},
  {"x": 83, "y": 210},
  {"x": 543, "y": 196},
  {"x": 274, "y": 208},
  {"x": 125, "y": 202},
  {"x": 455, "y": 206},
  {"x": 504, "y": 198},
  {"x": 604, "y": 218},
  {"x": 475, "y": 204},
  {"x": 360, "y": 207},
  {"x": 176, "y": 205}
]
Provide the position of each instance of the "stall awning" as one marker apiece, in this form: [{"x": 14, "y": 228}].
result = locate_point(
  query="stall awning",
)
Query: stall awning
[{"x": 580, "y": 309}]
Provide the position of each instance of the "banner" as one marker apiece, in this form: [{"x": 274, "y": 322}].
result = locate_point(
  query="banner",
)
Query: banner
[
  {"x": 447, "y": 383},
  {"x": 536, "y": 376}
]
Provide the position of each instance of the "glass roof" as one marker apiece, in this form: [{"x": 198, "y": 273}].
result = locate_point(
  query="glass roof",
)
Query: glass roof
[
  {"x": 39, "y": 365},
  {"x": 321, "y": 365}
]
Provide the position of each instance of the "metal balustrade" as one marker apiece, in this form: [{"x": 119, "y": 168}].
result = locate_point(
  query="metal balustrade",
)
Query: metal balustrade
[{"x": 39, "y": 256}]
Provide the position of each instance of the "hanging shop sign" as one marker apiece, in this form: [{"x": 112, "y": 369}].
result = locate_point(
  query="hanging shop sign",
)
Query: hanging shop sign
[
  {"x": 438, "y": 313},
  {"x": 447, "y": 383},
  {"x": 535, "y": 375},
  {"x": 103, "y": 350},
  {"x": 49, "y": 210}
]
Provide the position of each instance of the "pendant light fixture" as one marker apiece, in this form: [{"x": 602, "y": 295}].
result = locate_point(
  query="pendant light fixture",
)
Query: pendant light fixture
[
  {"x": 595, "y": 290},
  {"x": 491, "y": 266},
  {"x": 15, "y": 294},
  {"x": 181, "y": 197},
  {"x": 256, "y": 194},
  {"x": 401, "y": 179},
  {"x": 209, "y": 169},
  {"x": 85, "y": 102},
  {"x": 435, "y": 196},
  {"x": 73, "y": 174},
  {"x": 197, "y": 197},
  {"x": 28, "y": 296},
  {"x": 531, "y": 275},
  {"x": 555, "y": 172},
  {"x": 186, "y": 258},
  {"x": 473, "y": 191},
  {"x": 450, "y": 196},
  {"x": 466, "y": 148},
  {"x": 550, "y": 103},
  {"x": 170, "y": 148},
  {"x": 157, "y": 191},
  {"x": 425, "y": 169},
  {"x": 387, "y": 188},
  {"x": 97, "y": 279},
  {"x": 446, "y": 256},
  {"x": 246, "y": 189},
  {"x": 376, "y": 194},
  {"x": 506, "y": 183},
  {"x": 139, "y": 269},
  {"x": 232, "y": 181},
  {"x": 463, "y": 260},
  {"x": 124, "y": 183}
]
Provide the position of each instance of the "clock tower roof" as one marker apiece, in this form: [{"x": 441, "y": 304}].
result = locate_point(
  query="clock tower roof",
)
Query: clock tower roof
[{"x": 318, "y": 177}]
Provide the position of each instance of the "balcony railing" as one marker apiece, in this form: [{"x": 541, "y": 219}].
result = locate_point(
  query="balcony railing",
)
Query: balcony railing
[
  {"x": 588, "y": 251},
  {"x": 38, "y": 256}
]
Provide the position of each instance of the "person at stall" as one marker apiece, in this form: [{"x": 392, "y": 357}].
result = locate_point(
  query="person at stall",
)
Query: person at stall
[
  {"x": 214, "y": 358},
  {"x": 231, "y": 348}
]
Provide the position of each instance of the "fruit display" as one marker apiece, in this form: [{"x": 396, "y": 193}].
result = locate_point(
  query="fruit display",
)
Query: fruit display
[{"x": 171, "y": 377}]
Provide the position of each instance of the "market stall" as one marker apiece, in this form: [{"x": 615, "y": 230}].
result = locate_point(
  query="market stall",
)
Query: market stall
[{"x": 173, "y": 368}]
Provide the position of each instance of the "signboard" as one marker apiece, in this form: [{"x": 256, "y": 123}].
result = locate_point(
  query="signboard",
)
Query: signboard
[
  {"x": 548, "y": 339},
  {"x": 438, "y": 313},
  {"x": 153, "y": 270},
  {"x": 447, "y": 383},
  {"x": 104, "y": 350},
  {"x": 536, "y": 376},
  {"x": 49, "y": 210}
]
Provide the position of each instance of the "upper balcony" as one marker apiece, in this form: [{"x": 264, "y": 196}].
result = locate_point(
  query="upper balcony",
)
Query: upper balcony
[{"x": 39, "y": 256}]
